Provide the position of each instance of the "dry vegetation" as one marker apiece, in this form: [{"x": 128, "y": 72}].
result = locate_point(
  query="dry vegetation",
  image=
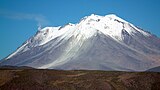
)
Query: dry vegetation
[{"x": 33, "y": 79}]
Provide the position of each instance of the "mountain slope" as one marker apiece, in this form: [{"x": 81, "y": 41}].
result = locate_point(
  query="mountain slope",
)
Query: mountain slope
[{"x": 95, "y": 43}]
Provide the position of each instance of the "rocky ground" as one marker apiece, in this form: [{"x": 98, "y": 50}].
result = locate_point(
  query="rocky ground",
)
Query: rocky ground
[{"x": 33, "y": 79}]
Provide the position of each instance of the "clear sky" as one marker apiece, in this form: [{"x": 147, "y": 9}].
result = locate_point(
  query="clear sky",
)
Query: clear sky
[{"x": 19, "y": 19}]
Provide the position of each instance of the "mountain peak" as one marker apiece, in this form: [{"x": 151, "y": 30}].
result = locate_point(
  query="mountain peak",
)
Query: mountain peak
[
  {"x": 110, "y": 25},
  {"x": 111, "y": 16}
]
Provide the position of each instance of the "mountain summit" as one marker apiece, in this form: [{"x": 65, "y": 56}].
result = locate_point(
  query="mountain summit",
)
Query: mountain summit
[{"x": 95, "y": 43}]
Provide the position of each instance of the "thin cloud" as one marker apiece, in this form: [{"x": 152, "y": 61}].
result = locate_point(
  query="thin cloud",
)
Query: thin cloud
[{"x": 40, "y": 19}]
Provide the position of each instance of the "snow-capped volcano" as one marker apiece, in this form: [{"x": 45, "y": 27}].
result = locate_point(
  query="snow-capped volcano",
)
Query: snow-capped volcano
[{"x": 95, "y": 43}]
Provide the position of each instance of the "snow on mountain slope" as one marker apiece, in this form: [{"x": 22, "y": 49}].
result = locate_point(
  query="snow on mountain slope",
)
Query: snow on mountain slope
[{"x": 96, "y": 42}]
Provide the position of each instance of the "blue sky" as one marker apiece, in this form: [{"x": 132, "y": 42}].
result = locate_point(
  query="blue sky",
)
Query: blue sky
[{"x": 19, "y": 19}]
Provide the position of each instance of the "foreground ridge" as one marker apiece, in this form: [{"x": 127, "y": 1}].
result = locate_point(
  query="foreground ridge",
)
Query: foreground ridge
[{"x": 33, "y": 79}]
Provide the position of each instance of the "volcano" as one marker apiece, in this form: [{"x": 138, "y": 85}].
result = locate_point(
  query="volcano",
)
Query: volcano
[{"x": 95, "y": 43}]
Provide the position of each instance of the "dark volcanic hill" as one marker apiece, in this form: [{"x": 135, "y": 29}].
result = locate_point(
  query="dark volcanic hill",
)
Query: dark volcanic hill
[
  {"x": 155, "y": 69},
  {"x": 95, "y": 43},
  {"x": 33, "y": 79}
]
